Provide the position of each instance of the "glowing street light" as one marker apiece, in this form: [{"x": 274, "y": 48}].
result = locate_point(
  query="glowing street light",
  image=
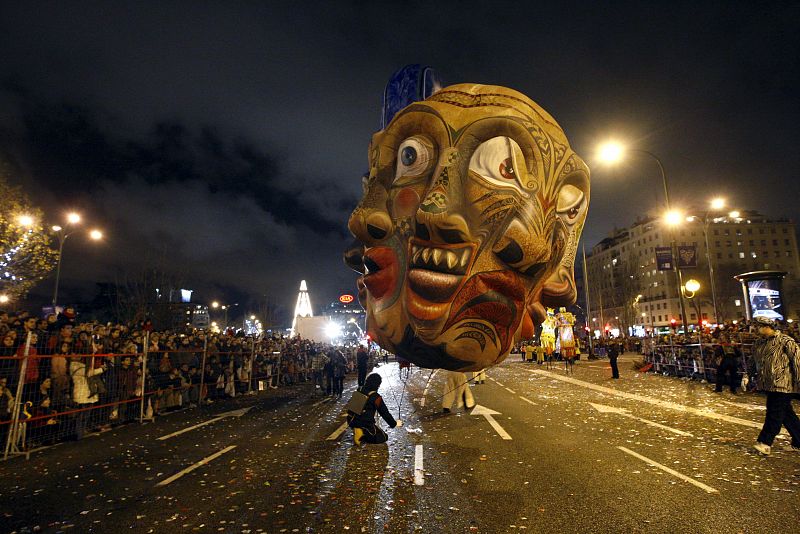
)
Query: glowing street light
[
  {"x": 4, "y": 299},
  {"x": 25, "y": 220},
  {"x": 72, "y": 219},
  {"x": 734, "y": 214},
  {"x": 613, "y": 152},
  {"x": 692, "y": 285},
  {"x": 215, "y": 304},
  {"x": 674, "y": 217},
  {"x": 717, "y": 203}
]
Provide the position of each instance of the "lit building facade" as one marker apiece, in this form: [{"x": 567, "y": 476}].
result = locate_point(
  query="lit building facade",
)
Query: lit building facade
[{"x": 629, "y": 293}]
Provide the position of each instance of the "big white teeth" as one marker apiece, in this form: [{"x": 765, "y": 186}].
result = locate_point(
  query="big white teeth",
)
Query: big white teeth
[
  {"x": 437, "y": 256},
  {"x": 426, "y": 254},
  {"x": 452, "y": 260},
  {"x": 464, "y": 259}
]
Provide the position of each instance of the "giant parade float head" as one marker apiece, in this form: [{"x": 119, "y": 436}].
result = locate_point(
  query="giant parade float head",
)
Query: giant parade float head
[{"x": 468, "y": 226}]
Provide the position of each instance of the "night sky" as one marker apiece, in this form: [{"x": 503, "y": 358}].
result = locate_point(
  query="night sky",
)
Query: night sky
[{"x": 225, "y": 141}]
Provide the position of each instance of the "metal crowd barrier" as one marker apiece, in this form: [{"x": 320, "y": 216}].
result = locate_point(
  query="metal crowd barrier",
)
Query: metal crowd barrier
[{"x": 48, "y": 397}]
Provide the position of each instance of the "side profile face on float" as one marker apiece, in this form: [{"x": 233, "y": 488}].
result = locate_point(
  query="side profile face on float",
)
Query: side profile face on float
[{"x": 468, "y": 227}]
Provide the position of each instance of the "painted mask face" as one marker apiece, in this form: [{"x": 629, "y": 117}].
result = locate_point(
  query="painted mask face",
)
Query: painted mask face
[{"x": 468, "y": 227}]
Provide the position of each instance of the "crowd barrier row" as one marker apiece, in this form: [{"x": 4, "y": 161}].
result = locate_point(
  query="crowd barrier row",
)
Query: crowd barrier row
[
  {"x": 698, "y": 361},
  {"x": 49, "y": 398}
]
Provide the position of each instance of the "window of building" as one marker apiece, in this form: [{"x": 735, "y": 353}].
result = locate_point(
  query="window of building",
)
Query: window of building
[
  {"x": 738, "y": 231},
  {"x": 760, "y": 230},
  {"x": 719, "y": 255},
  {"x": 659, "y": 318},
  {"x": 738, "y": 243},
  {"x": 693, "y": 316},
  {"x": 741, "y": 255},
  {"x": 737, "y": 302},
  {"x": 727, "y": 232},
  {"x": 728, "y": 243},
  {"x": 716, "y": 232},
  {"x": 775, "y": 242},
  {"x": 749, "y": 231},
  {"x": 786, "y": 242},
  {"x": 785, "y": 230},
  {"x": 730, "y": 255},
  {"x": 763, "y": 242},
  {"x": 777, "y": 253},
  {"x": 788, "y": 253},
  {"x": 772, "y": 230},
  {"x": 753, "y": 255}
]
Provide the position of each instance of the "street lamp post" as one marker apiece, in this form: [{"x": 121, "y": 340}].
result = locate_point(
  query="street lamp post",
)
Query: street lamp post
[
  {"x": 73, "y": 219},
  {"x": 612, "y": 152}
]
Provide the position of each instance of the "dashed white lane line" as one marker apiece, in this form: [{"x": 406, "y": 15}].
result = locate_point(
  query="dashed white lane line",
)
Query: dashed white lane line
[
  {"x": 527, "y": 400},
  {"x": 425, "y": 391},
  {"x": 192, "y": 467},
  {"x": 419, "y": 471},
  {"x": 707, "y": 489},
  {"x": 650, "y": 400},
  {"x": 511, "y": 391},
  {"x": 337, "y": 432}
]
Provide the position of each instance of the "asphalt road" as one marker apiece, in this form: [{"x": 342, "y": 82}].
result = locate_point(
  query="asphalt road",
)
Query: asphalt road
[{"x": 645, "y": 453}]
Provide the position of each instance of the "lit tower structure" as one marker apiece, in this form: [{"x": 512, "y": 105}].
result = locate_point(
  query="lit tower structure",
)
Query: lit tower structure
[{"x": 303, "y": 306}]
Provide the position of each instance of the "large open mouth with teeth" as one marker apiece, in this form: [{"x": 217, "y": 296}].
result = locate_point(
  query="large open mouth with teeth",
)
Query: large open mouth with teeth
[{"x": 436, "y": 271}]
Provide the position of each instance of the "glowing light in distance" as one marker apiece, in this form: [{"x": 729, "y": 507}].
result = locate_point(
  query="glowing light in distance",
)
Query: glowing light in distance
[
  {"x": 215, "y": 304},
  {"x": 734, "y": 214},
  {"x": 73, "y": 218},
  {"x": 692, "y": 285},
  {"x": 333, "y": 330},
  {"x": 673, "y": 218},
  {"x": 4, "y": 299},
  {"x": 717, "y": 203},
  {"x": 25, "y": 220},
  {"x": 610, "y": 152},
  {"x": 96, "y": 235}
]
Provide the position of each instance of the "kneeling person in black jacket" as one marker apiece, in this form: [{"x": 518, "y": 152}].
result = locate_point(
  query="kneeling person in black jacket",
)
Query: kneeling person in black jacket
[{"x": 363, "y": 424}]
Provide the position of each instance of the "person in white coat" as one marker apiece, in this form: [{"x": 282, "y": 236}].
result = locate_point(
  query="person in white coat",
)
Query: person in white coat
[
  {"x": 456, "y": 391},
  {"x": 81, "y": 394}
]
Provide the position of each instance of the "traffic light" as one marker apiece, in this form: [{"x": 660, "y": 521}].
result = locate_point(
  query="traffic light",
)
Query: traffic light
[{"x": 674, "y": 324}]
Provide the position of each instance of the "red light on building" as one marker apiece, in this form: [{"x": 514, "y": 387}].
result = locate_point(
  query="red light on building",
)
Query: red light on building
[{"x": 346, "y": 299}]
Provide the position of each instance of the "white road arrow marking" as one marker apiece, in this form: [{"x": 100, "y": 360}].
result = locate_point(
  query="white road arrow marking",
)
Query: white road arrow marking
[
  {"x": 602, "y": 408},
  {"x": 488, "y": 413},
  {"x": 234, "y": 413}
]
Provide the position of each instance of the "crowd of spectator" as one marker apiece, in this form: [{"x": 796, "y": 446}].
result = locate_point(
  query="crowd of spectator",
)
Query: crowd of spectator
[{"x": 82, "y": 376}]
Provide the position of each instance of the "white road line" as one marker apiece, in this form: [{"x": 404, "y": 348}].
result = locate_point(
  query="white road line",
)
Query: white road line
[
  {"x": 623, "y": 412},
  {"x": 234, "y": 413},
  {"x": 192, "y": 467},
  {"x": 326, "y": 399},
  {"x": 649, "y": 400},
  {"x": 511, "y": 391},
  {"x": 707, "y": 489},
  {"x": 499, "y": 383},
  {"x": 419, "y": 472},
  {"x": 189, "y": 429},
  {"x": 425, "y": 391},
  {"x": 527, "y": 400},
  {"x": 337, "y": 432}
]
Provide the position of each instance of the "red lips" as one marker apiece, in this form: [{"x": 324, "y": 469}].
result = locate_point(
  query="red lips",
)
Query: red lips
[{"x": 385, "y": 279}]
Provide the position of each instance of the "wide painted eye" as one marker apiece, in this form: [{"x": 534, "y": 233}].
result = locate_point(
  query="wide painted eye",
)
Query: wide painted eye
[
  {"x": 414, "y": 156},
  {"x": 570, "y": 202},
  {"x": 497, "y": 160}
]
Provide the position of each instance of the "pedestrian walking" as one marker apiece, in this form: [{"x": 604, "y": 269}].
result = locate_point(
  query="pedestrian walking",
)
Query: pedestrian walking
[
  {"x": 728, "y": 357},
  {"x": 479, "y": 377},
  {"x": 777, "y": 360},
  {"x": 362, "y": 360},
  {"x": 456, "y": 392},
  {"x": 339, "y": 371},
  {"x": 613, "y": 354},
  {"x": 361, "y": 410}
]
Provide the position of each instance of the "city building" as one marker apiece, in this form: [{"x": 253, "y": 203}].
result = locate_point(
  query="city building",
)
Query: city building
[{"x": 628, "y": 292}]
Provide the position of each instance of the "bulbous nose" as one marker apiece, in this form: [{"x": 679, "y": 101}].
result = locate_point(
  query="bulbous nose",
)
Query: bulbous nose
[{"x": 370, "y": 226}]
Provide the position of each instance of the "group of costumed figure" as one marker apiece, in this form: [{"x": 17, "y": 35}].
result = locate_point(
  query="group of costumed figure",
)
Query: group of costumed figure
[{"x": 557, "y": 334}]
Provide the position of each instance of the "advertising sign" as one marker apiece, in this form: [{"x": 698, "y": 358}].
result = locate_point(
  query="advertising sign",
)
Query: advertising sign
[
  {"x": 687, "y": 256},
  {"x": 664, "y": 258},
  {"x": 765, "y": 298},
  {"x": 346, "y": 299}
]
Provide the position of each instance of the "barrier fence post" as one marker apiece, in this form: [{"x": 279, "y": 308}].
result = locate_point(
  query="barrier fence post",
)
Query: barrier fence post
[
  {"x": 144, "y": 374},
  {"x": 250, "y": 370},
  {"x": 203, "y": 371},
  {"x": 13, "y": 431}
]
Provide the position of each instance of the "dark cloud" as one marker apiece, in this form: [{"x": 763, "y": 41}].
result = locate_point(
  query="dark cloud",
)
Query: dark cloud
[{"x": 232, "y": 137}]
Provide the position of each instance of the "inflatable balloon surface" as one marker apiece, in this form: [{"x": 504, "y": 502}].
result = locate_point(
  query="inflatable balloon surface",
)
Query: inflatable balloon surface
[{"x": 468, "y": 226}]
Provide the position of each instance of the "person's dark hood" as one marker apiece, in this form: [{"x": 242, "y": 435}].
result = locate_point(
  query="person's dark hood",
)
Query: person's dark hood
[{"x": 373, "y": 382}]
